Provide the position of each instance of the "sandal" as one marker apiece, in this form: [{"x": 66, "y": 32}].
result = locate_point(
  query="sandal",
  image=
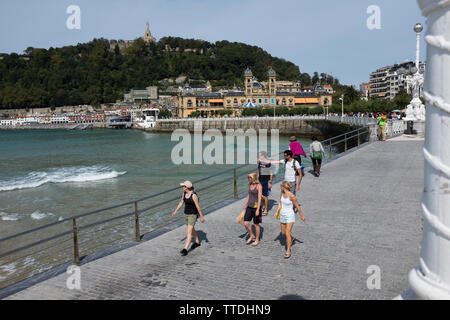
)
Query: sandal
[
  {"x": 250, "y": 240},
  {"x": 287, "y": 256},
  {"x": 265, "y": 213},
  {"x": 254, "y": 244}
]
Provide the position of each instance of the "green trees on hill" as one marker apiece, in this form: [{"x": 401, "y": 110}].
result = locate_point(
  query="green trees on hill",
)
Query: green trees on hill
[{"x": 91, "y": 73}]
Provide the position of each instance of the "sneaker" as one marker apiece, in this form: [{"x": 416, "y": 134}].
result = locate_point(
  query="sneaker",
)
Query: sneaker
[
  {"x": 195, "y": 245},
  {"x": 184, "y": 252}
]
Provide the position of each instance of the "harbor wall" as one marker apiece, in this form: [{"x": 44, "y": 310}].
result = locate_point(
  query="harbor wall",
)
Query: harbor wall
[{"x": 307, "y": 128}]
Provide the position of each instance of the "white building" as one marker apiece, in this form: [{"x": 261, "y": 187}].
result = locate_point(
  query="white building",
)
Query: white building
[
  {"x": 6, "y": 122},
  {"x": 387, "y": 81}
]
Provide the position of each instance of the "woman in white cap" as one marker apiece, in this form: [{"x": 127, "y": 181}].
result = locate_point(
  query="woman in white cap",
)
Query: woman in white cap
[{"x": 191, "y": 212}]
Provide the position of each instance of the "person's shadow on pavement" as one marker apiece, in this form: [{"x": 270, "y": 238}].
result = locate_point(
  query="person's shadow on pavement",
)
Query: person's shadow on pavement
[
  {"x": 246, "y": 235},
  {"x": 282, "y": 240},
  {"x": 201, "y": 237}
]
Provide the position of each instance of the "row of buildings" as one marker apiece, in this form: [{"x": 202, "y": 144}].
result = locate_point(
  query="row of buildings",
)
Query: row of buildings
[
  {"x": 74, "y": 118},
  {"x": 269, "y": 94},
  {"x": 386, "y": 82}
]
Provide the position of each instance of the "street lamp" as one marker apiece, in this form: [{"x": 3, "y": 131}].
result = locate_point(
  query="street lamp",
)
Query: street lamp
[
  {"x": 416, "y": 110},
  {"x": 326, "y": 105},
  {"x": 342, "y": 99}
]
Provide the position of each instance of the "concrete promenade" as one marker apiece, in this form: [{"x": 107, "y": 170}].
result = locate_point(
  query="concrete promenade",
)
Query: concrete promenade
[{"x": 364, "y": 210}]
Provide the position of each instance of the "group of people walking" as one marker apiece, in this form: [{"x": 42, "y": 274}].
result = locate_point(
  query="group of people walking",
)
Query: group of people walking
[{"x": 257, "y": 202}]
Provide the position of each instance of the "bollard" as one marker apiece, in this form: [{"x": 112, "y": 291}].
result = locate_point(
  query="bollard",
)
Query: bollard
[
  {"x": 136, "y": 222},
  {"x": 76, "y": 253},
  {"x": 235, "y": 184}
]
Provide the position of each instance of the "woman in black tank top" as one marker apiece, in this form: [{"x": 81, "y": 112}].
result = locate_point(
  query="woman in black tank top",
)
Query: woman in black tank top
[{"x": 191, "y": 212}]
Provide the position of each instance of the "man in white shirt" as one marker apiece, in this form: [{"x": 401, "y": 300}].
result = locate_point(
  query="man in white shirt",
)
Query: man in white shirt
[{"x": 292, "y": 169}]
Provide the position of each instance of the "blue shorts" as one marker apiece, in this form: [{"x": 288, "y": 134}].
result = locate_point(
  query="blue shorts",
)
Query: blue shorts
[{"x": 265, "y": 188}]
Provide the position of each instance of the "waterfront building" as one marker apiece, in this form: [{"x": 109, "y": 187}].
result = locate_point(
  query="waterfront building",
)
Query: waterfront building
[
  {"x": 261, "y": 94},
  {"x": 149, "y": 94},
  {"x": 387, "y": 81},
  {"x": 6, "y": 122}
]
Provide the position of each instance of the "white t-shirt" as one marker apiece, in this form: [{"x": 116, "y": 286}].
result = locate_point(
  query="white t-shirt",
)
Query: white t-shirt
[
  {"x": 316, "y": 146},
  {"x": 289, "y": 172}
]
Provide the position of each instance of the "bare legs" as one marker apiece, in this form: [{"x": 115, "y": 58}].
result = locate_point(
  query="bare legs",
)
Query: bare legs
[
  {"x": 286, "y": 229},
  {"x": 250, "y": 232},
  {"x": 266, "y": 205},
  {"x": 258, "y": 232},
  {"x": 190, "y": 232}
]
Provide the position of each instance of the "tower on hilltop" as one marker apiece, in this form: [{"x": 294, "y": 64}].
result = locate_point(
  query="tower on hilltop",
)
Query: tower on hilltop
[{"x": 148, "y": 35}]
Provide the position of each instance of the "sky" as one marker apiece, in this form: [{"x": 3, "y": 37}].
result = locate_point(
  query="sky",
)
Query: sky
[{"x": 327, "y": 36}]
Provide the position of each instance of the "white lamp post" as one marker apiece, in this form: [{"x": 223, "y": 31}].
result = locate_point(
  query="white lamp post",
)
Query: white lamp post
[
  {"x": 416, "y": 110},
  {"x": 431, "y": 279},
  {"x": 342, "y": 99}
]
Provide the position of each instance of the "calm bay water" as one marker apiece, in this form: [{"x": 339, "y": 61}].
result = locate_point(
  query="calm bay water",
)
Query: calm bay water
[{"x": 49, "y": 175}]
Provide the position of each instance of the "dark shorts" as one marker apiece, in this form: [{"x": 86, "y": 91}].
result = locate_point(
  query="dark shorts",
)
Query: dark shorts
[
  {"x": 316, "y": 161},
  {"x": 298, "y": 158},
  {"x": 250, "y": 213},
  {"x": 265, "y": 188}
]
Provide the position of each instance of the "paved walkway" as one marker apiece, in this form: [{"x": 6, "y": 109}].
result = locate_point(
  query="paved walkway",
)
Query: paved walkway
[{"x": 364, "y": 210}]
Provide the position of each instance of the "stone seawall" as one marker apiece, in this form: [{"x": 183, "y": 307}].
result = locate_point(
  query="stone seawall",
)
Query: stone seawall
[{"x": 320, "y": 128}]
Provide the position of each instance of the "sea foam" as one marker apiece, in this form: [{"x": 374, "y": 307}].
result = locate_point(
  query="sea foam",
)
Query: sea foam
[
  {"x": 60, "y": 175},
  {"x": 37, "y": 215}
]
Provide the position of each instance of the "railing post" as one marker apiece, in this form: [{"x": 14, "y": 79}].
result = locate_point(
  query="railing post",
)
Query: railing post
[
  {"x": 359, "y": 140},
  {"x": 76, "y": 252},
  {"x": 331, "y": 153},
  {"x": 136, "y": 222},
  {"x": 235, "y": 183},
  {"x": 345, "y": 143}
]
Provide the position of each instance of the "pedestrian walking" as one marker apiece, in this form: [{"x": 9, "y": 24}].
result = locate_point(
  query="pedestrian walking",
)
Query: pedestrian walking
[
  {"x": 382, "y": 120},
  {"x": 285, "y": 213},
  {"x": 191, "y": 213},
  {"x": 292, "y": 170},
  {"x": 297, "y": 150},
  {"x": 265, "y": 177},
  {"x": 252, "y": 208},
  {"x": 316, "y": 152}
]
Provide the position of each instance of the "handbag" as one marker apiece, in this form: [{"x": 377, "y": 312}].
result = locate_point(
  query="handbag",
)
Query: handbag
[
  {"x": 317, "y": 155},
  {"x": 241, "y": 217},
  {"x": 278, "y": 214}
]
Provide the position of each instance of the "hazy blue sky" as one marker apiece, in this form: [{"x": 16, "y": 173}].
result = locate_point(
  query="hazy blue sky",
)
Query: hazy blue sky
[{"x": 323, "y": 35}]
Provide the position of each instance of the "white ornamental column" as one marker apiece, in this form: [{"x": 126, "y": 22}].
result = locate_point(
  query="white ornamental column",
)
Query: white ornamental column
[{"x": 431, "y": 279}]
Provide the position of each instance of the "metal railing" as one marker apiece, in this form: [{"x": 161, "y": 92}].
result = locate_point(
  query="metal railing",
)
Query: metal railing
[{"x": 73, "y": 228}]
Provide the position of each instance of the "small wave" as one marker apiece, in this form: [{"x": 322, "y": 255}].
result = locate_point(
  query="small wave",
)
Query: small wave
[
  {"x": 60, "y": 175},
  {"x": 37, "y": 215},
  {"x": 8, "y": 269},
  {"x": 9, "y": 216}
]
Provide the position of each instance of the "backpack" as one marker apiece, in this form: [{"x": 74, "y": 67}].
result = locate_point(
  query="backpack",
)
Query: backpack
[{"x": 295, "y": 168}]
